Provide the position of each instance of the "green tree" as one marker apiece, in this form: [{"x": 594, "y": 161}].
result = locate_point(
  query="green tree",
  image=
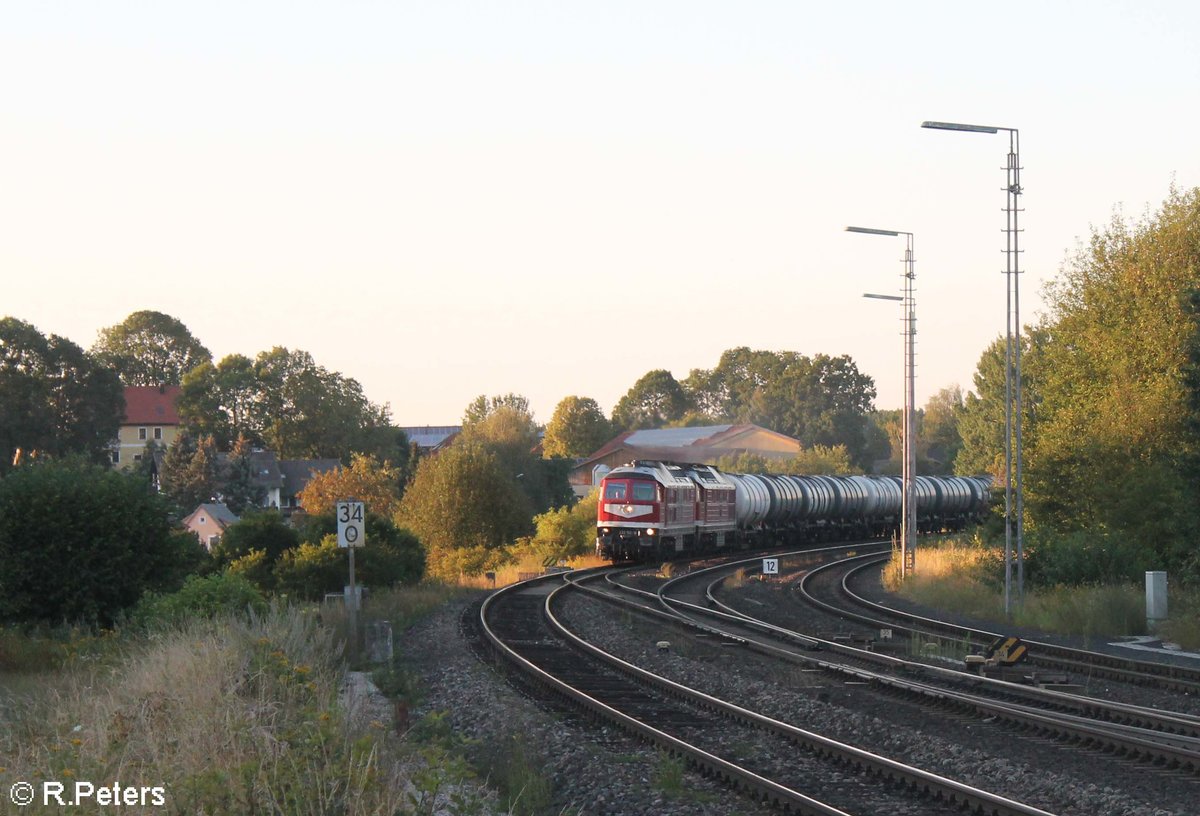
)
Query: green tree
[
  {"x": 222, "y": 401},
  {"x": 189, "y": 476},
  {"x": 79, "y": 542},
  {"x": 566, "y": 532},
  {"x": 1111, "y": 436},
  {"x": 239, "y": 488},
  {"x": 512, "y": 435},
  {"x": 654, "y": 400},
  {"x": 483, "y": 406},
  {"x": 286, "y": 402},
  {"x": 54, "y": 399},
  {"x": 464, "y": 506},
  {"x": 939, "y": 435},
  {"x": 577, "y": 428},
  {"x": 150, "y": 348},
  {"x": 821, "y": 400}
]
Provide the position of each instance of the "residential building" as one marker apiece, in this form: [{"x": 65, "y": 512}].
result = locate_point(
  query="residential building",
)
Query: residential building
[
  {"x": 150, "y": 416},
  {"x": 209, "y": 522},
  {"x": 296, "y": 474}
]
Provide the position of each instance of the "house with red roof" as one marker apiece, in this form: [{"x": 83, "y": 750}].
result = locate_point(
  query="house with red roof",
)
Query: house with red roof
[{"x": 150, "y": 416}]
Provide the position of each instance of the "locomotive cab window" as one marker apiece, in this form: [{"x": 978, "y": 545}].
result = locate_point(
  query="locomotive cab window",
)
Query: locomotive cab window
[
  {"x": 615, "y": 490},
  {"x": 643, "y": 491}
]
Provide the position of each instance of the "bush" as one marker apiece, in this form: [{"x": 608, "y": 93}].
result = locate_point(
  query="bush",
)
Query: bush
[
  {"x": 266, "y": 531},
  {"x": 83, "y": 543},
  {"x": 199, "y": 598},
  {"x": 1087, "y": 558},
  {"x": 392, "y": 555},
  {"x": 311, "y": 570}
]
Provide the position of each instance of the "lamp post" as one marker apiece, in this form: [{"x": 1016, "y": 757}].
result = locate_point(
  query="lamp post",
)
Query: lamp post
[
  {"x": 908, "y": 525},
  {"x": 1012, "y": 357}
]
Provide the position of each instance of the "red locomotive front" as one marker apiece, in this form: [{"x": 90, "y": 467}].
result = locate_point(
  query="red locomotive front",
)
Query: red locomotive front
[{"x": 643, "y": 508}]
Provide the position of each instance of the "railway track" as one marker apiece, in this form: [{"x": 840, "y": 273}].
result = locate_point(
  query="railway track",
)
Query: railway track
[
  {"x": 520, "y": 625},
  {"x": 1162, "y": 738},
  {"x": 1049, "y": 656}
]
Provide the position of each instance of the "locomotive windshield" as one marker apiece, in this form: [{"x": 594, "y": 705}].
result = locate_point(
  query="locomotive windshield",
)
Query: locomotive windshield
[
  {"x": 635, "y": 490},
  {"x": 615, "y": 490},
  {"x": 643, "y": 491}
]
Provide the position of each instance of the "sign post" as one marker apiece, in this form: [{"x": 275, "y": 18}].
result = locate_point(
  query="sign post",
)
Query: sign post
[
  {"x": 770, "y": 566},
  {"x": 350, "y": 518}
]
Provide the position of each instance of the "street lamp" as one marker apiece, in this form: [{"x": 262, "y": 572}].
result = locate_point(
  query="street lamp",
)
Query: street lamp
[
  {"x": 1012, "y": 356},
  {"x": 908, "y": 525}
]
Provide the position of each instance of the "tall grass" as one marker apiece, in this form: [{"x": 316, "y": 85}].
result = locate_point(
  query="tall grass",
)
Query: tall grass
[
  {"x": 238, "y": 715},
  {"x": 523, "y": 566},
  {"x": 963, "y": 576}
]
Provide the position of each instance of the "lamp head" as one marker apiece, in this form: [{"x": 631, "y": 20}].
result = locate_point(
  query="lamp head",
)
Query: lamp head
[{"x": 958, "y": 126}]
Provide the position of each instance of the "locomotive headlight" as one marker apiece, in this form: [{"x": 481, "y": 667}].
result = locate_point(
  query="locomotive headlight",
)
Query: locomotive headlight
[
  {"x": 627, "y": 509},
  {"x": 650, "y": 532}
]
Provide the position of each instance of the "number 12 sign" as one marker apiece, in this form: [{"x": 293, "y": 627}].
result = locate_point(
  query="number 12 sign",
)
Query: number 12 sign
[{"x": 350, "y": 524}]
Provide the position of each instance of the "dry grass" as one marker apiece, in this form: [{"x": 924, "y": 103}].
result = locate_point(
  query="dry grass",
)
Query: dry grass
[
  {"x": 964, "y": 577},
  {"x": 234, "y": 716},
  {"x": 522, "y": 568}
]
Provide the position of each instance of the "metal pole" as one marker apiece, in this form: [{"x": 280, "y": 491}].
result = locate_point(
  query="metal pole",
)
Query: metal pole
[
  {"x": 1012, "y": 356},
  {"x": 910, "y": 438},
  {"x": 352, "y": 609},
  {"x": 1014, "y": 254}
]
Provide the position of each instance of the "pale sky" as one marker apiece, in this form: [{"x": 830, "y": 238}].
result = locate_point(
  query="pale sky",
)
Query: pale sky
[{"x": 445, "y": 199}]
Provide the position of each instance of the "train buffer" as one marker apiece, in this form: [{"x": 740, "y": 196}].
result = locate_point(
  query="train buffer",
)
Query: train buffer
[{"x": 1005, "y": 658}]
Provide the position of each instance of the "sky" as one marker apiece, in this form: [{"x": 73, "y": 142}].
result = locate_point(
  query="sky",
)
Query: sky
[{"x": 446, "y": 199}]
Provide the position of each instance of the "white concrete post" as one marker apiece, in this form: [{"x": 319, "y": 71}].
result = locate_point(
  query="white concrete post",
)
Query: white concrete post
[{"x": 1156, "y": 599}]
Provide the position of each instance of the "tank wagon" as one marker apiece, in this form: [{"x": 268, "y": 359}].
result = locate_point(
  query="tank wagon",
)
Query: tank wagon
[{"x": 651, "y": 509}]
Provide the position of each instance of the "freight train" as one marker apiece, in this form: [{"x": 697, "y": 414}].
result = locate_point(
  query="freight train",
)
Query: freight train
[{"x": 652, "y": 510}]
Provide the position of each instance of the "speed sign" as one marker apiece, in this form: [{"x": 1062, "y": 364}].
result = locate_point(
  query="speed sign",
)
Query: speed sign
[{"x": 350, "y": 524}]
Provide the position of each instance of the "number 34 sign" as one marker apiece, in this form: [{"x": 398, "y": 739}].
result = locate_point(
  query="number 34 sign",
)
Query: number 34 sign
[{"x": 350, "y": 524}]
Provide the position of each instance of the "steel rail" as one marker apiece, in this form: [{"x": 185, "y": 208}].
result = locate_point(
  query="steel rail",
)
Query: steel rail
[
  {"x": 763, "y": 788},
  {"x": 976, "y": 799},
  {"x": 1156, "y": 738},
  {"x": 1177, "y": 678}
]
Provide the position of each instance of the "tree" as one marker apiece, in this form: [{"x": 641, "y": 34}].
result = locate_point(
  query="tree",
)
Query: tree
[
  {"x": 577, "y": 428},
  {"x": 567, "y": 531},
  {"x": 80, "y": 542},
  {"x": 653, "y": 401},
  {"x": 482, "y": 407},
  {"x": 939, "y": 434},
  {"x": 54, "y": 399},
  {"x": 464, "y": 507},
  {"x": 189, "y": 476},
  {"x": 286, "y": 402},
  {"x": 821, "y": 400},
  {"x": 150, "y": 348},
  {"x": 239, "y": 488},
  {"x": 512, "y": 435},
  {"x": 1112, "y": 431},
  {"x": 222, "y": 400},
  {"x": 376, "y": 484}
]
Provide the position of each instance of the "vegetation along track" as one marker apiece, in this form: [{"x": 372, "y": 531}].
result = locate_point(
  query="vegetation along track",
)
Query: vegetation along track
[
  {"x": 1164, "y": 738},
  {"x": 520, "y": 624},
  {"x": 828, "y": 587}
]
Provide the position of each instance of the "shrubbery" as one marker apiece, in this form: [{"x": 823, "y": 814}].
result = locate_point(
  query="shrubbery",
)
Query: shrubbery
[
  {"x": 79, "y": 542},
  {"x": 199, "y": 598}
]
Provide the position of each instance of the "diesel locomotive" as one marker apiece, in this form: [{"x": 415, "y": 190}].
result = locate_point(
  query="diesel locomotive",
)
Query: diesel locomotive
[{"x": 651, "y": 509}]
